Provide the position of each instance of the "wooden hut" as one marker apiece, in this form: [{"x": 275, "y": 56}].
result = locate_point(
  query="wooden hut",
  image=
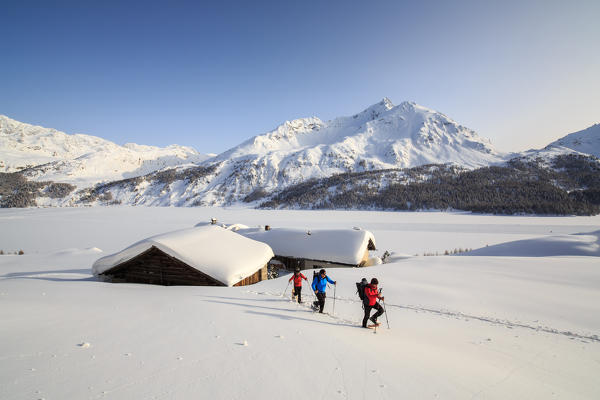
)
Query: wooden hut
[
  {"x": 205, "y": 256},
  {"x": 318, "y": 248}
]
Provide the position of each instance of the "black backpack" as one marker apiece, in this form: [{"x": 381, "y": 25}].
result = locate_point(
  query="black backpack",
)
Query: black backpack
[
  {"x": 315, "y": 276},
  {"x": 360, "y": 288}
]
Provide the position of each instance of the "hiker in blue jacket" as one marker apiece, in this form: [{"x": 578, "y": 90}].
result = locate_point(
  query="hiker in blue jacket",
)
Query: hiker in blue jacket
[{"x": 319, "y": 286}]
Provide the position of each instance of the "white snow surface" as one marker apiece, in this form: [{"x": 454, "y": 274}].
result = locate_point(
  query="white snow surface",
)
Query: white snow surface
[
  {"x": 219, "y": 253},
  {"x": 79, "y": 159},
  {"x": 580, "y": 244},
  {"x": 504, "y": 326},
  {"x": 346, "y": 246}
]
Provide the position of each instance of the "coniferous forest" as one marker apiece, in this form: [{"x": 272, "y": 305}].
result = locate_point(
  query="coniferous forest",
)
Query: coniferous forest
[{"x": 568, "y": 185}]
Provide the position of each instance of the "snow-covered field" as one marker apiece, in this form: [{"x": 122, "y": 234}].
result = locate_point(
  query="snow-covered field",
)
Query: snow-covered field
[{"x": 516, "y": 320}]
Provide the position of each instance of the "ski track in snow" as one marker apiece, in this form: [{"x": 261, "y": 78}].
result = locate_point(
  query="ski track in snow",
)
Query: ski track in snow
[
  {"x": 454, "y": 314},
  {"x": 495, "y": 321}
]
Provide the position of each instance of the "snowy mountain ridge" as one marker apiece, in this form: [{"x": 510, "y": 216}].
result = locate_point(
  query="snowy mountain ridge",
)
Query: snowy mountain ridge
[
  {"x": 381, "y": 137},
  {"x": 586, "y": 141},
  {"x": 48, "y": 154}
]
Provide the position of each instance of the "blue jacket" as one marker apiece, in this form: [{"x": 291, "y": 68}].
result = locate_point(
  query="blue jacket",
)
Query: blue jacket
[{"x": 320, "y": 284}]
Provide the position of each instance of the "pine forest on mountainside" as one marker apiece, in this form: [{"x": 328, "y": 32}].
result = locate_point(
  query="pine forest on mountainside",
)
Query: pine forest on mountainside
[{"x": 570, "y": 185}]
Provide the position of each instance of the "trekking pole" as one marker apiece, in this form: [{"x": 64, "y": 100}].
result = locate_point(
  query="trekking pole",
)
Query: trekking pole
[
  {"x": 334, "y": 288},
  {"x": 385, "y": 312},
  {"x": 288, "y": 285}
]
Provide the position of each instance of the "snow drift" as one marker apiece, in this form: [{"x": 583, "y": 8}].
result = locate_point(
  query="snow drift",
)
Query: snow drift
[{"x": 580, "y": 244}]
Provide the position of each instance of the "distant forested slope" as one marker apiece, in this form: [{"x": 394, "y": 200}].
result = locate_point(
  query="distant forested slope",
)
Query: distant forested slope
[{"x": 567, "y": 184}]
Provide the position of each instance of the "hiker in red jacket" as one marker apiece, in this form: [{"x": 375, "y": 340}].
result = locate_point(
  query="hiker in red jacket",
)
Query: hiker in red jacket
[
  {"x": 297, "y": 277},
  {"x": 370, "y": 302}
]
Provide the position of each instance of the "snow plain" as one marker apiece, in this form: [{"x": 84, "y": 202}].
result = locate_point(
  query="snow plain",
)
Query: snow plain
[{"x": 517, "y": 319}]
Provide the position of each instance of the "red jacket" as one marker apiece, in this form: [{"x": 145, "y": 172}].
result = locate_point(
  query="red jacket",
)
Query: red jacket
[
  {"x": 298, "y": 279},
  {"x": 371, "y": 294}
]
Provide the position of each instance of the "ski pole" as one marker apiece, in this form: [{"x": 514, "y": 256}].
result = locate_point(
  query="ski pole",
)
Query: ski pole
[{"x": 288, "y": 285}]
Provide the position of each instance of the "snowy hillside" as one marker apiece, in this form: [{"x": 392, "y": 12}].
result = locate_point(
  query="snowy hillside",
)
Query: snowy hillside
[
  {"x": 83, "y": 160},
  {"x": 586, "y": 141},
  {"x": 499, "y": 326}
]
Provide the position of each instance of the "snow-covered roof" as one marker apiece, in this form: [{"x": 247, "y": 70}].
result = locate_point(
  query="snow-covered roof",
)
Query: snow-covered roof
[
  {"x": 217, "y": 252},
  {"x": 345, "y": 246}
]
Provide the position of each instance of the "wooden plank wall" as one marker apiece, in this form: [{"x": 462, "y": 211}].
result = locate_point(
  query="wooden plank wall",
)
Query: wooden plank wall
[
  {"x": 158, "y": 268},
  {"x": 258, "y": 276}
]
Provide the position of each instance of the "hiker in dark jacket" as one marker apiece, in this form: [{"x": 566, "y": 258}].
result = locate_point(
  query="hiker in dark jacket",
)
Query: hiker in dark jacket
[
  {"x": 370, "y": 302},
  {"x": 297, "y": 277},
  {"x": 319, "y": 286}
]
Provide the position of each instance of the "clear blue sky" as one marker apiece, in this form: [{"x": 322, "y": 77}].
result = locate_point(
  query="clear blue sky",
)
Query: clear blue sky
[{"x": 210, "y": 75}]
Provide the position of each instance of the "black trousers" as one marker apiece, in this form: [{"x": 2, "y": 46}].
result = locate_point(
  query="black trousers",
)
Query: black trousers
[
  {"x": 368, "y": 309},
  {"x": 298, "y": 292},
  {"x": 320, "y": 301}
]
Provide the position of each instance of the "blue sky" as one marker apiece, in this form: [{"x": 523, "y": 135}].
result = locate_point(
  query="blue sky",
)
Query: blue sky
[{"x": 211, "y": 75}]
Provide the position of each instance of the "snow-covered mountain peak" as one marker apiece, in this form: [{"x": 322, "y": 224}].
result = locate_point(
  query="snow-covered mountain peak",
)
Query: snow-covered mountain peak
[
  {"x": 374, "y": 111},
  {"x": 382, "y": 131},
  {"x": 382, "y": 136},
  {"x": 388, "y": 103}
]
